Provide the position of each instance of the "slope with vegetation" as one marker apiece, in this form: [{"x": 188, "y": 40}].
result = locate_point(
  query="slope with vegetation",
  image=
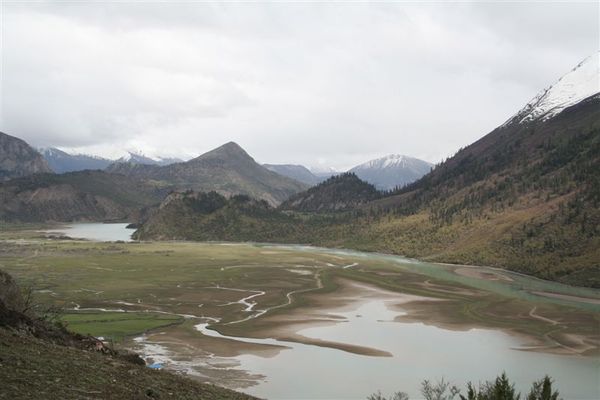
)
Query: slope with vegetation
[
  {"x": 338, "y": 193},
  {"x": 39, "y": 358},
  {"x": 76, "y": 196}
]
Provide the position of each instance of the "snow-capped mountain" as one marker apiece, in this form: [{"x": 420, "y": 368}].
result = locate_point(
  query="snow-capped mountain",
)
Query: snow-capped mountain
[
  {"x": 581, "y": 82},
  {"x": 392, "y": 171},
  {"x": 140, "y": 158},
  {"x": 61, "y": 161}
]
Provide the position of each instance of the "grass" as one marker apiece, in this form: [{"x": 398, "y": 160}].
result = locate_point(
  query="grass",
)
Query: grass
[
  {"x": 116, "y": 325},
  {"x": 35, "y": 369}
]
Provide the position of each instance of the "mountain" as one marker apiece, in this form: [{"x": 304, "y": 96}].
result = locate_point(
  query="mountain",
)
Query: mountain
[
  {"x": 338, "y": 193},
  {"x": 580, "y": 83},
  {"x": 525, "y": 197},
  {"x": 139, "y": 158},
  {"x": 62, "y": 162},
  {"x": 227, "y": 169},
  {"x": 76, "y": 196},
  {"x": 392, "y": 171},
  {"x": 18, "y": 159},
  {"x": 296, "y": 172}
]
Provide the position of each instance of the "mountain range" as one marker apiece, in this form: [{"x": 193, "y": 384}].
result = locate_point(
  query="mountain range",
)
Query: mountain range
[
  {"x": 385, "y": 173},
  {"x": 525, "y": 197},
  {"x": 61, "y": 161}
]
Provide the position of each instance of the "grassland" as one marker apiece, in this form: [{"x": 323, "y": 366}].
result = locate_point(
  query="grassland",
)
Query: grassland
[
  {"x": 116, "y": 325},
  {"x": 159, "y": 291}
]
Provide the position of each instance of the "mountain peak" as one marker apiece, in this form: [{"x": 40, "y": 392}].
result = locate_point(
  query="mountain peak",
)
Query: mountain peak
[
  {"x": 392, "y": 171},
  {"x": 581, "y": 82},
  {"x": 229, "y": 149}
]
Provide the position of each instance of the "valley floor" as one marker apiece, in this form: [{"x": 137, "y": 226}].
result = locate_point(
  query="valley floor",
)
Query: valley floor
[{"x": 158, "y": 298}]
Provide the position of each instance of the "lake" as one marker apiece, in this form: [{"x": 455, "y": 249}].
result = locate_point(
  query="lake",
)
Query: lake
[
  {"x": 418, "y": 352},
  {"x": 95, "y": 231}
]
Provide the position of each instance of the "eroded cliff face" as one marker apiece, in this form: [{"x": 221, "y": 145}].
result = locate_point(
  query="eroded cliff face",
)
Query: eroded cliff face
[{"x": 18, "y": 159}]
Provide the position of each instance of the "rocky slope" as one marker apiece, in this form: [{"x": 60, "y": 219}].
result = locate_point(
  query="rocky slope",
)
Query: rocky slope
[
  {"x": 18, "y": 159},
  {"x": 227, "y": 169}
]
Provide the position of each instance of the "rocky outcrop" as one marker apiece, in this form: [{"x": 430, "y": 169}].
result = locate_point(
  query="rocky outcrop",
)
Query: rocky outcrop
[{"x": 18, "y": 159}]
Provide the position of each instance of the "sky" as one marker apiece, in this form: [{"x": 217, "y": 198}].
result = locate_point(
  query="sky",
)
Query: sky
[{"x": 318, "y": 84}]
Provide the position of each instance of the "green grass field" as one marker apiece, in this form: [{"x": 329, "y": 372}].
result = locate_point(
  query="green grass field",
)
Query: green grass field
[{"x": 116, "y": 325}]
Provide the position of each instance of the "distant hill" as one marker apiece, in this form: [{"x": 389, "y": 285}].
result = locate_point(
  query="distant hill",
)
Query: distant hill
[
  {"x": 61, "y": 161},
  {"x": 227, "y": 169},
  {"x": 296, "y": 172},
  {"x": 210, "y": 216},
  {"x": 338, "y": 193},
  {"x": 18, "y": 159},
  {"x": 76, "y": 196},
  {"x": 392, "y": 171}
]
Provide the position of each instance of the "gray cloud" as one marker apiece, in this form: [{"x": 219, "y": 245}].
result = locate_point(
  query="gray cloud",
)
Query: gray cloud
[{"x": 309, "y": 83}]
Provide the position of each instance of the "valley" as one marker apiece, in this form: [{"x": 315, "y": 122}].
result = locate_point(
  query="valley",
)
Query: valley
[{"x": 230, "y": 313}]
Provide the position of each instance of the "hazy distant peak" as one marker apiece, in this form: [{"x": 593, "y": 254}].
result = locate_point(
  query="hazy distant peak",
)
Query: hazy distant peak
[
  {"x": 391, "y": 161},
  {"x": 581, "y": 82},
  {"x": 392, "y": 171}
]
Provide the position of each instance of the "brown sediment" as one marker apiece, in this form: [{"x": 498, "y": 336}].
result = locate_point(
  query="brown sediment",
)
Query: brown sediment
[
  {"x": 581, "y": 299},
  {"x": 322, "y": 311},
  {"x": 558, "y": 339}
]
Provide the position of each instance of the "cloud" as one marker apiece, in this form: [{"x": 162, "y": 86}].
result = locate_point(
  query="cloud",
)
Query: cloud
[{"x": 293, "y": 83}]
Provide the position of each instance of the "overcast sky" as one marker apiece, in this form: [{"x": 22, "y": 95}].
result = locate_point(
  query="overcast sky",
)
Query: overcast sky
[{"x": 315, "y": 84}]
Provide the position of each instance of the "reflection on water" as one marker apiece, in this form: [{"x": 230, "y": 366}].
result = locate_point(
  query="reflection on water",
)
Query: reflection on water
[
  {"x": 96, "y": 231},
  {"x": 419, "y": 352}
]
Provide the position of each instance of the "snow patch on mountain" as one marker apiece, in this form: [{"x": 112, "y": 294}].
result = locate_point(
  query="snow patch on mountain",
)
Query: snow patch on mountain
[{"x": 581, "y": 82}]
